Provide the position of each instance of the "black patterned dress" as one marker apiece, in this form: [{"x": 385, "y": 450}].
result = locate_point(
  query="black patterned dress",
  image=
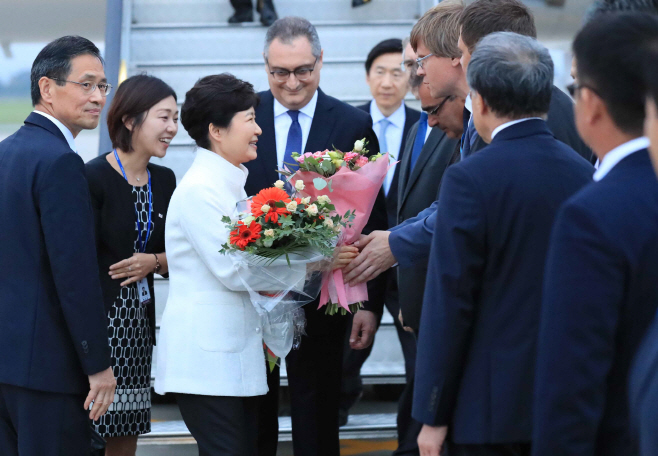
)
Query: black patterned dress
[{"x": 131, "y": 348}]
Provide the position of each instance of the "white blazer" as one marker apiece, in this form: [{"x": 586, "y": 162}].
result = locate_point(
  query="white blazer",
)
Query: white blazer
[{"x": 210, "y": 341}]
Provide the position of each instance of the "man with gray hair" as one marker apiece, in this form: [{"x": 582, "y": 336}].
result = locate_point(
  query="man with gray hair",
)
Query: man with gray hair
[
  {"x": 478, "y": 332},
  {"x": 296, "y": 116}
]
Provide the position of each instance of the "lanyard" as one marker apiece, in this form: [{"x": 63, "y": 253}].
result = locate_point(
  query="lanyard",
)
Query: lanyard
[{"x": 142, "y": 245}]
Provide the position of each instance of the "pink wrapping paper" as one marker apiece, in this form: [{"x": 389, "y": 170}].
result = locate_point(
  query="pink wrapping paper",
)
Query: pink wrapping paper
[{"x": 352, "y": 190}]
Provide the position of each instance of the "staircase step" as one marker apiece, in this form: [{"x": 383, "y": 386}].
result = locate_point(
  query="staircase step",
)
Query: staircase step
[
  {"x": 201, "y": 11},
  {"x": 370, "y": 426}
]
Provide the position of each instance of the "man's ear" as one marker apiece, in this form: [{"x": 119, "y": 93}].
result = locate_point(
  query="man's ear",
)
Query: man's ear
[
  {"x": 478, "y": 104},
  {"x": 455, "y": 61},
  {"x": 46, "y": 89},
  {"x": 593, "y": 107}
]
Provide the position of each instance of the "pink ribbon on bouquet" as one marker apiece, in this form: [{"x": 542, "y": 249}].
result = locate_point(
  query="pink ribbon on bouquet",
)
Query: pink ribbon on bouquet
[{"x": 350, "y": 190}]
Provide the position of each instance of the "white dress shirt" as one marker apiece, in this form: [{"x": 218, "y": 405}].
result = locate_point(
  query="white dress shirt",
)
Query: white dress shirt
[
  {"x": 618, "y": 154},
  {"x": 65, "y": 131},
  {"x": 282, "y": 123},
  {"x": 500, "y": 128},
  {"x": 394, "y": 134}
]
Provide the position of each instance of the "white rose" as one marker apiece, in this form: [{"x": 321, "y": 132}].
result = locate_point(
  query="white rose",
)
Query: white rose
[
  {"x": 329, "y": 223},
  {"x": 279, "y": 184},
  {"x": 292, "y": 206},
  {"x": 249, "y": 219},
  {"x": 299, "y": 185},
  {"x": 265, "y": 208},
  {"x": 324, "y": 199},
  {"x": 312, "y": 210},
  {"x": 358, "y": 145},
  {"x": 269, "y": 233},
  {"x": 306, "y": 200}
]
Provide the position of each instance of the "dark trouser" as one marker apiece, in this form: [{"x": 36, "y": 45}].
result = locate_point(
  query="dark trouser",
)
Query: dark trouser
[
  {"x": 39, "y": 423},
  {"x": 314, "y": 375},
  {"x": 244, "y": 6},
  {"x": 221, "y": 425},
  {"x": 507, "y": 449},
  {"x": 352, "y": 385}
]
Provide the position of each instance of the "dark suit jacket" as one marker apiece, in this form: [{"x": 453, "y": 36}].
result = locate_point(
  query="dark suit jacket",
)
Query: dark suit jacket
[
  {"x": 600, "y": 295},
  {"x": 478, "y": 331},
  {"x": 643, "y": 392},
  {"x": 562, "y": 123},
  {"x": 114, "y": 216},
  {"x": 417, "y": 190},
  {"x": 335, "y": 124},
  {"x": 53, "y": 328},
  {"x": 411, "y": 117}
]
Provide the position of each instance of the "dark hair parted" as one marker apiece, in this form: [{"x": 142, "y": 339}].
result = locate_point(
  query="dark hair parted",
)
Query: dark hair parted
[
  {"x": 133, "y": 99},
  {"x": 390, "y": 46},
  {"x": 54, "y": 61},
  {"x": 483, "y": 17},
  {"x": 215, "y": 100},
  {"x": 513, "y": 73},
  {"x": 610, "y": 53}
]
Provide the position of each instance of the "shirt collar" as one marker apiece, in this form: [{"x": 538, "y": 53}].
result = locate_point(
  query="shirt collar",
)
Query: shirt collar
[
  {"x": 397, "y": 118},
  {"x": 618, "y": 154},
  {"x": 468, "y": 103},
  {"x": 65, "y": 131},
  {"x": 308, "y": 110},
  {"x": 500, "y": 128}
]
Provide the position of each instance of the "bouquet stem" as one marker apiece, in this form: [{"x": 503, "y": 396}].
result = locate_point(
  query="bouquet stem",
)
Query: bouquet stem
[{"x": 332, "y": 308}]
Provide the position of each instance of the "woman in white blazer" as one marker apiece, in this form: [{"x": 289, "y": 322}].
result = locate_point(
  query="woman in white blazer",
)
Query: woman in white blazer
[{"x": 210, "y": 347}]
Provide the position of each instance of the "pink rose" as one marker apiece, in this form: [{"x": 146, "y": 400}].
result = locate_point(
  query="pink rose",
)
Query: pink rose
[
  {"x": 318, "y": 155},
  {"x": 349, "y": 156},
  {"x": 300, "y": 159},
  {"x": 362, "y": 161}
]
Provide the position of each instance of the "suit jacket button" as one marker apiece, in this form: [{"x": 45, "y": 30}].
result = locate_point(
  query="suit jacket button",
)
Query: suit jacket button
[{"x": 85, "y": 347}]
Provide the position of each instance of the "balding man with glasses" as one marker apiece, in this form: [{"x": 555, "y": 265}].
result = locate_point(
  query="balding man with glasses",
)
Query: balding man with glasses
[
  {"x": 55, "y": 359},
  {"x": 296, "y": 116}
]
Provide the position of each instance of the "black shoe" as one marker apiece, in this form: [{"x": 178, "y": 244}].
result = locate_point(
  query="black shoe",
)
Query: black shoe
[
  {"x": 343, "y": 416},
  {"x": 245, "y": 16},
  {"x": 267, "y": 13}
]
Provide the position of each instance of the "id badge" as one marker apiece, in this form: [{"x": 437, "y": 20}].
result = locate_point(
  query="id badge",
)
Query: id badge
[{"x": 143, "y": 291}]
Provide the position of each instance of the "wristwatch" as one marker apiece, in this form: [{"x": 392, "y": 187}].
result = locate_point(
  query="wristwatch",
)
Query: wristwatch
[{"x": 158, "y": 266}]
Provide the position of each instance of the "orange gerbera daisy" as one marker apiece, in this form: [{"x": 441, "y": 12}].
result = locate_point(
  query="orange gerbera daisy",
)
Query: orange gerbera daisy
[
  {"x": 270, "y": 196},
  {"x": 244, "y": 235}
]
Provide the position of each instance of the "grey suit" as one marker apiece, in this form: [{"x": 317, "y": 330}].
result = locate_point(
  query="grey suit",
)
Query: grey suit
[{"x": 417, "y": 190}]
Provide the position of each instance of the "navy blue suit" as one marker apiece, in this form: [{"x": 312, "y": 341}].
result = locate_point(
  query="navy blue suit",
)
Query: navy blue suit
[
  {"x": 643, "y": 394},
  {"x": 314, "y": 370},
  {"x": 53, "y": 328},
  {"x": 478, "y": 329},
  {"x": 600, "y": 295}
]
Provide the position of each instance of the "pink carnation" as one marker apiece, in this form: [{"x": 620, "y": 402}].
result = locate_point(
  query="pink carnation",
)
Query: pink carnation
[
  {"x": 362, "y": 161},
  {"x": 318, "y": 155},
  {"x": 300, "y": 159},
  {"x": 349, "y": 156}
]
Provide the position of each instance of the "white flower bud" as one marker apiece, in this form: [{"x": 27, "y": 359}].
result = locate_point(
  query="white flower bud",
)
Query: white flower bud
[
  {"x": 324, "y": 199},
  {"x": 292, "y": 206},
  {"x": 265, "y": 208},
  {"x": 358, "y": 145},
  {"x": 306, "y": 200},
  {"x": 329, "y": 223},
  {"x": 312, "y": 210},
  {"x": 279, "y": 184},
  {"x": 269, "y": 233},
  {"x": 249, "y": 219},
  {"x": 299, "y": 185}
]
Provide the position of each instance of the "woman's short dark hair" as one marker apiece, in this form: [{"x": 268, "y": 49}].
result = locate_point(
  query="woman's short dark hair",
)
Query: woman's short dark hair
[
  {"x": 133, "y": 99},
  {"x": 215, "y": 100},
  {"x": 617, "y": 41},
  {"x": 54, "y": 61}
]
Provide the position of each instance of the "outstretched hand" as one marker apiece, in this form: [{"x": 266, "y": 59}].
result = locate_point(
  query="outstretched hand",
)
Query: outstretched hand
[
  {"x": 364, "y": 327},
  {"x": 375, "y": 258},
  {"x": 344, "y": 255}
]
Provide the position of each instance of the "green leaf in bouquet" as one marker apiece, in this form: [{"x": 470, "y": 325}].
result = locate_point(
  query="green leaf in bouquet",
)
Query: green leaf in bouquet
[
  {"x": 327, "y": 166},
  {"x": 286, "y": 221},
  {"x": 330, "y": 189},
  {"x": 267, "y": 243},
  {"x": 330, "y": 207},
  {"x": 319, "y": 183},
  {"x": 226, "y": 219},
  {"x": 310, "y": 161},
  {"x": 280, "y": 204}
]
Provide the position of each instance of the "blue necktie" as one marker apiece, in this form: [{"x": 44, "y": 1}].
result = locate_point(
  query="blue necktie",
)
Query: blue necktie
[
  {"x": 419, "y": 142},
  {"x": 466, "y": 138},
  {"x": 293, "y": 144},
  {"x": 383, "y": 147}
]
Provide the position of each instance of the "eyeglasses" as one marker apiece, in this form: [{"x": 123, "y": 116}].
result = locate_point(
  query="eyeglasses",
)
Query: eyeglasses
[
  {"x": 302, "y": 74},
  {"x": 88, "y": 88},
  {"x": 436, "y": 110},
  {"x": 419, "y": 60},
  {"x": 575, "y": 87}
]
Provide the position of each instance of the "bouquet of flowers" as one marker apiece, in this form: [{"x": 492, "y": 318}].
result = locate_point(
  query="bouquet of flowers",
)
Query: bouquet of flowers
[
  {"x": 280, "y": 247},
  {"x": 350, "y": 181}
]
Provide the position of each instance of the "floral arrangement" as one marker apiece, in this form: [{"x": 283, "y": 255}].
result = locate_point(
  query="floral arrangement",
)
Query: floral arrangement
[
  {"x": 327, "y": 163},
  {"x": 279, "y": 225},
  {"x": 353, "y": 179}
]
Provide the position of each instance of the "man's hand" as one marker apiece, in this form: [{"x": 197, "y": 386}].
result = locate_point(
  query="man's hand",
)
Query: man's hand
[
  {"x": 431, "y": 440},
  {"x": 375, "y": 258},
  {"x": 101, "y": 390},
  {"x": 364, "y": 326}
]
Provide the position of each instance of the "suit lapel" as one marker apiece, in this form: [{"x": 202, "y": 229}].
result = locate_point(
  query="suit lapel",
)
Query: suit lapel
[
  {"x": 322, "y": 126},
  {"x": 267, "y": 140},
  {"x": 433, "y": 141},
  {"x": 45, "y": 123}
]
